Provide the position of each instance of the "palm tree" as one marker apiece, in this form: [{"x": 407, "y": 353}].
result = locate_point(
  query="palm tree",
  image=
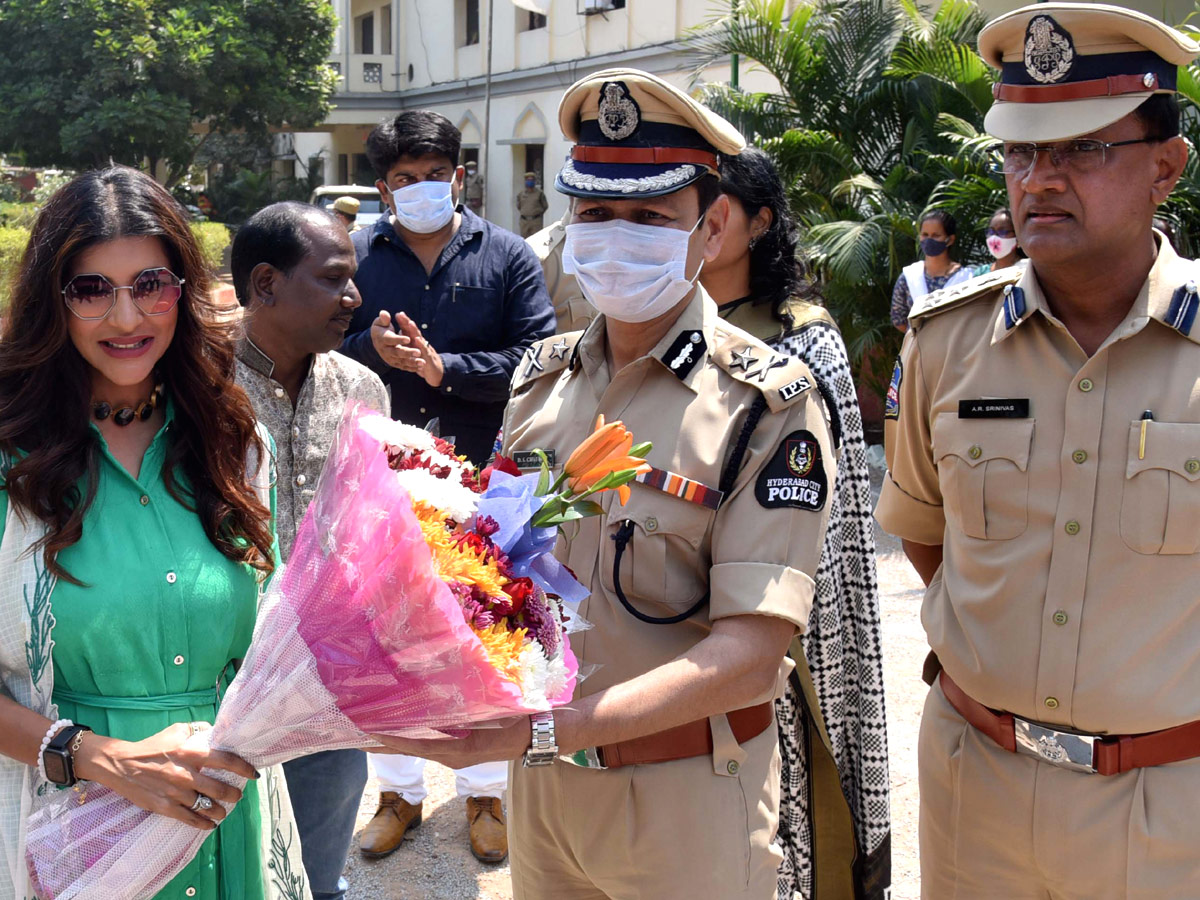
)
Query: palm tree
[{"x": 878, "y": 118}]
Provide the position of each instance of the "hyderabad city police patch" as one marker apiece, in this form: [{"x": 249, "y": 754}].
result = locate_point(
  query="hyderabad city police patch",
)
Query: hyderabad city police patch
[
  {"x": 795, "y": 476},
  {"x": 891, "y": 404}
]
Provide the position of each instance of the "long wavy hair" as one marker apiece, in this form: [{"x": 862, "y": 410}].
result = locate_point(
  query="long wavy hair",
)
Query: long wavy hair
[
  {"x": 45, "y": 384},
  {"x": 776, "y": 273}
]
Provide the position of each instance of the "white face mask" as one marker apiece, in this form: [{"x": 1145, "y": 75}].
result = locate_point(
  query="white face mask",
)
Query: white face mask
[
  {"x": 424, "y": 207},
  {"x": 1000, "y": 247},
  {"x": 631, "y": 273}
]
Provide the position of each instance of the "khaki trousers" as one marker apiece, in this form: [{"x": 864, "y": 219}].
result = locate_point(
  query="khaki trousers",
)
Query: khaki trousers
[
  {"x": 996, "y": 824},
  {"x": 681, "y": 830}
]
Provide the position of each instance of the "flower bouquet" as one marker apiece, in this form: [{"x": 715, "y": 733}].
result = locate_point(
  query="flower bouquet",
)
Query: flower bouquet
[{"x": 421, "y": 598}]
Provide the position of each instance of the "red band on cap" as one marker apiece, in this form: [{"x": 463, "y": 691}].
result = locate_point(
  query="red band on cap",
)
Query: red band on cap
[
  {"x": 644, "y": 156},
  {"x": 1112, "y": 86}
]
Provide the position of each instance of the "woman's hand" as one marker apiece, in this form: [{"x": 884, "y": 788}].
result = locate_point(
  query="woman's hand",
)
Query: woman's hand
[{"x": 162, "y": 773}]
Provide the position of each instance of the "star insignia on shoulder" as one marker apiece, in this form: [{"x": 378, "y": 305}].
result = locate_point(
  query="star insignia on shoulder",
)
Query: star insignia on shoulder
[
  {"x": 743, "y": 360},
  {"x": 558, "y": 350}
]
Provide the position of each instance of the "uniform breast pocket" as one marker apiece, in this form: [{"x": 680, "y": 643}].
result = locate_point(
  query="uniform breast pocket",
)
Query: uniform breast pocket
[
  {"x": 983, "y": 470},
  {"x": 1160, "y": 503},
  {"x": 659, "y": 563}
]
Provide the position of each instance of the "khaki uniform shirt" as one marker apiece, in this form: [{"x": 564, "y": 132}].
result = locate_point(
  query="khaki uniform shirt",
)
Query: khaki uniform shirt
[
  {"x": 473, "y": 187},
  {"x": 689, "y": 396},
  {"x": 304, "y": 433},
  {"x": 571, "y": 310},
  {"x": 1070, "y": 587},
  {"x": 531, "y": 203}
]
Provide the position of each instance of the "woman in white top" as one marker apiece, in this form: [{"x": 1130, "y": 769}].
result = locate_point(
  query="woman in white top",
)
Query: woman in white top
[{"x": 937, "y": 233}]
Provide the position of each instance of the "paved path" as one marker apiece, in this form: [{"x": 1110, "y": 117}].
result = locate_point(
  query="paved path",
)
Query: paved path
[{"x": 435, "y": 863}]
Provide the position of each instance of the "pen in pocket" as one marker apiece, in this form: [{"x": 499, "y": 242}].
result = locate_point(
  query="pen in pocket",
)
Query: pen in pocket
[{"x": 1147, "y": 416}]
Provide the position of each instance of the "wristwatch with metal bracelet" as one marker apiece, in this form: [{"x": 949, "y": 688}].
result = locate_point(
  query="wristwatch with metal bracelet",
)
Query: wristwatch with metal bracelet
[{"x": 542, "y": 749}]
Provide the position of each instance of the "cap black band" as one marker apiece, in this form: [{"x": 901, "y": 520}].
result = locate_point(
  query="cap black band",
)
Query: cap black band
[
  {"x": 648, "y": 134},
  {"x": 1101, "y": 65}
]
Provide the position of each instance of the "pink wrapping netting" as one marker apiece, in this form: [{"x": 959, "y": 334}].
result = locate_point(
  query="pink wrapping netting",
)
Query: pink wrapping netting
[{"x": 356, "y": 635}]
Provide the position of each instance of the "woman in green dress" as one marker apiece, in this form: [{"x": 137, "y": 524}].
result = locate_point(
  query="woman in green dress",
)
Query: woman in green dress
[{"x": 133, "y": 542}]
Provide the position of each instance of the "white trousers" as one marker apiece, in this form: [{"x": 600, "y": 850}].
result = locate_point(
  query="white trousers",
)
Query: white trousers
[{"x": 406, "y": 776}]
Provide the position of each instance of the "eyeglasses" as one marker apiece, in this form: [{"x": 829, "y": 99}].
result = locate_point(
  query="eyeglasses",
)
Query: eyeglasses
[
  {"x": 1085, "y": 155},
  {"x": 154, "y": 292}
]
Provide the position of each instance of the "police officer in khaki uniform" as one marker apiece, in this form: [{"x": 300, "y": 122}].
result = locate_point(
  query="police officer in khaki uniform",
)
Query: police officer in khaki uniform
[
  {"x": 346, "y": 209},
  {"x": 571, "y": 309},
  {"x": 531, "y": 206},
  {"x": 1044, "y": 472},
  {"x": 662, "y": 777},
  {"x": 473, "y": 187}
]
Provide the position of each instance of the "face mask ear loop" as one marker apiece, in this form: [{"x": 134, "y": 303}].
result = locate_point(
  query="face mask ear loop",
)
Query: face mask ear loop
[{"x": 692, "y": 280}]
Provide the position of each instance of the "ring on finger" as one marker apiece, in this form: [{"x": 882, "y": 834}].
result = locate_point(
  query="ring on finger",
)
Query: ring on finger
[
  {"x": 196, "y": 727},
  {"x": 202, "y": 803}
]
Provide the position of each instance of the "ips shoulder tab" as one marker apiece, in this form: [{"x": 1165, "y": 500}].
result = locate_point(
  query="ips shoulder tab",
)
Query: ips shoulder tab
[
  {"x": 783, "y": 380},
  {"x": 952, "y": 297},
  {"x": 545, "y": 357}
]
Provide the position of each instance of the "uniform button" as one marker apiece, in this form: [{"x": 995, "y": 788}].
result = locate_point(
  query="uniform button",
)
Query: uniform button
[
  {"x": 171, "y": 576},
  {"x": 1060, "y": 618},
  {"x": 191, "y": 892},
  {"x": 652, "y": 524},
  {"x": 1086, "y": 385},
  {"x": 179, "y": 660},
  {"x": 1051, "y": 703},
  {"x": 1192, "y": 466},
  {"x": 1080, "y": 456},
  {"x": 300, "y": 479},
  {"x": 732, "y": 767},
  {"x": 144, "y": 500},
  {"x": 975, "y": 452},
  {"x": 1072, "y": 527},
  {"x": 279, "y": 392}
]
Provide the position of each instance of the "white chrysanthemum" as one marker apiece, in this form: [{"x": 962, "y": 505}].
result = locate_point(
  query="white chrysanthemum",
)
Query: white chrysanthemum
[
  {"x": 397, "y": 434},
  {"x": 541, "y": 678},
  {"x": 444, "y": 494}
]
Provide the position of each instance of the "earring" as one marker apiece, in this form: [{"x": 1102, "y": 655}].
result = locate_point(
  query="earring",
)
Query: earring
[{"x": 754, "y": 240}]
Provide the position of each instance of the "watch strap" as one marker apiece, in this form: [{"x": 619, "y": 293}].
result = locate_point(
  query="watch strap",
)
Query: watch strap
[
  {"x": 58, "y": 759},
  {"x": 543, "y": 748}
]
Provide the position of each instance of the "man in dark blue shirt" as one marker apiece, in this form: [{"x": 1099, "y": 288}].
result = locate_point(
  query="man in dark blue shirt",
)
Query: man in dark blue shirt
[{"x": 450, "y": 301}]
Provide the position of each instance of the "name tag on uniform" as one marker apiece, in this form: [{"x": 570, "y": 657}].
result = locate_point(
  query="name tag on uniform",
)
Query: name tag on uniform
[
  {"x": 527, "y": 459},
  {"x": 994, "y": 409}
]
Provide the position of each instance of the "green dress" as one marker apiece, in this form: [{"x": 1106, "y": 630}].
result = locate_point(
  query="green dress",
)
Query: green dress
[{"x": 143, "y": 643}]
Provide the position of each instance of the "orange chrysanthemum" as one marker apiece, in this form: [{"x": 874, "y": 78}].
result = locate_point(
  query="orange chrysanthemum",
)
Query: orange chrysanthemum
[{"x": 503, "y": 648}]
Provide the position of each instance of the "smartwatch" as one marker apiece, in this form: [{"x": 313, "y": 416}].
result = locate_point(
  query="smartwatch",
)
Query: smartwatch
[
  {"x": 58, "y": 759},
  {"x": 542, "y": 748}
]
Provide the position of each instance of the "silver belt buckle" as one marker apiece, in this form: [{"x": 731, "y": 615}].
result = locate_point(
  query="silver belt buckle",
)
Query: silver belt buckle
[
  {"x": 587, "y": 758},
  {"x": 1059, "y": 748}
]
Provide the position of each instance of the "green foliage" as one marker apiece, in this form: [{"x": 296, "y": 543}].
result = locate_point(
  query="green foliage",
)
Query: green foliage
[
  {"x": 86, "y": 81},
  {"x": 213, "y": 238},
  {"x": 12, "y": 246},
  {"x": 17, "y": 215},
  {"x": 238, "y": 196},
  {"x": 878, "y": 118},
  {"x": 1182, "y": 209}
]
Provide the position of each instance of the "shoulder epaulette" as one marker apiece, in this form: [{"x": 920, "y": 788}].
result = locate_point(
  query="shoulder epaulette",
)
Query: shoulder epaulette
[
  {"x": 782, "y": 379},
  {"x": 949, "y": 298},
  {"x": 545, "y": 357},
  {"x": 1185, "y": 302},
  {"x": 543, "y": 243}
]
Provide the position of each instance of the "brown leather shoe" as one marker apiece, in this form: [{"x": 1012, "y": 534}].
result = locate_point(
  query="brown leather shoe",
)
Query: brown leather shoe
[
  {"x": 489, "y": 833},
  {"x": 385, "y": 832}
]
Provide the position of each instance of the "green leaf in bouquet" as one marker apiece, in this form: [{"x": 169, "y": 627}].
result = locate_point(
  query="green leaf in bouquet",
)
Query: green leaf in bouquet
[
  {"x": 544, "y": 477},
  {"x": 588, "y": 507}
]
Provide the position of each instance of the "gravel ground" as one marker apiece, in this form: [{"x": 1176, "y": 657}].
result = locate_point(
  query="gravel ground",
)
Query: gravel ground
[{"x": 436, "y": 863}]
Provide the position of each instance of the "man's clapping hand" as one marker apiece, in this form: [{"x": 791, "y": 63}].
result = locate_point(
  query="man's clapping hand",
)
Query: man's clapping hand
[{"x": 407, "y": 350}]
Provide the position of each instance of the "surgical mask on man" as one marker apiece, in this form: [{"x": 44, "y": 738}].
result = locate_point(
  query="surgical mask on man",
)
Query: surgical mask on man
[
  {"x": 1000, "y": 247},
  {"x": 934, "y": 247},
  {"x": 631, "y": 273},
  {"x": 423, "y": 207}
]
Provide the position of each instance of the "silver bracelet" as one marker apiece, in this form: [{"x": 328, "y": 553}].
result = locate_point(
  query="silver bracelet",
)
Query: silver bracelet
[{"x": 53, "y": 730}]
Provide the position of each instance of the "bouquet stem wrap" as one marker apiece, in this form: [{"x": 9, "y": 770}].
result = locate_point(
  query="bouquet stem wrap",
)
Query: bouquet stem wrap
[{"x": 358, "y": 634}]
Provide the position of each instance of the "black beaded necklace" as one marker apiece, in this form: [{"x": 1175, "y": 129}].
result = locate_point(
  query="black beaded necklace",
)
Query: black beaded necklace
[{"x": 128, "y": 414}]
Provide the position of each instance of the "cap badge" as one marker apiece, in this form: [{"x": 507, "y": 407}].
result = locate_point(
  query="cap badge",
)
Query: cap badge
[
  {"x": 619, "y": 115},
  {"x": 1049, "y": 52}
]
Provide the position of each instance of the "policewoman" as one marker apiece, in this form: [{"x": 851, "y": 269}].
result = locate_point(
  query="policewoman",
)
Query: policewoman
[
  {"x": 662, "y": 777},
  {"x": 1044, "y": 472}
]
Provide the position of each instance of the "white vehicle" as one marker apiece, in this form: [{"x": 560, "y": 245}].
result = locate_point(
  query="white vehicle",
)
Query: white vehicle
[{"x": 370, "y": 206}]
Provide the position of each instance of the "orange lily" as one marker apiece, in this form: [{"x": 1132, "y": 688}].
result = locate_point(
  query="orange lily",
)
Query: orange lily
[
  {"x": 588, "y": 479},
  {"x": 606, "y": 441}
]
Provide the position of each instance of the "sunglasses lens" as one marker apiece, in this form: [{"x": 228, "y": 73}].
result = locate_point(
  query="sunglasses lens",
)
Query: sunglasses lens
[
  {"x": 155, "y": 291},
  {"x": 89, "y": 295}
]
